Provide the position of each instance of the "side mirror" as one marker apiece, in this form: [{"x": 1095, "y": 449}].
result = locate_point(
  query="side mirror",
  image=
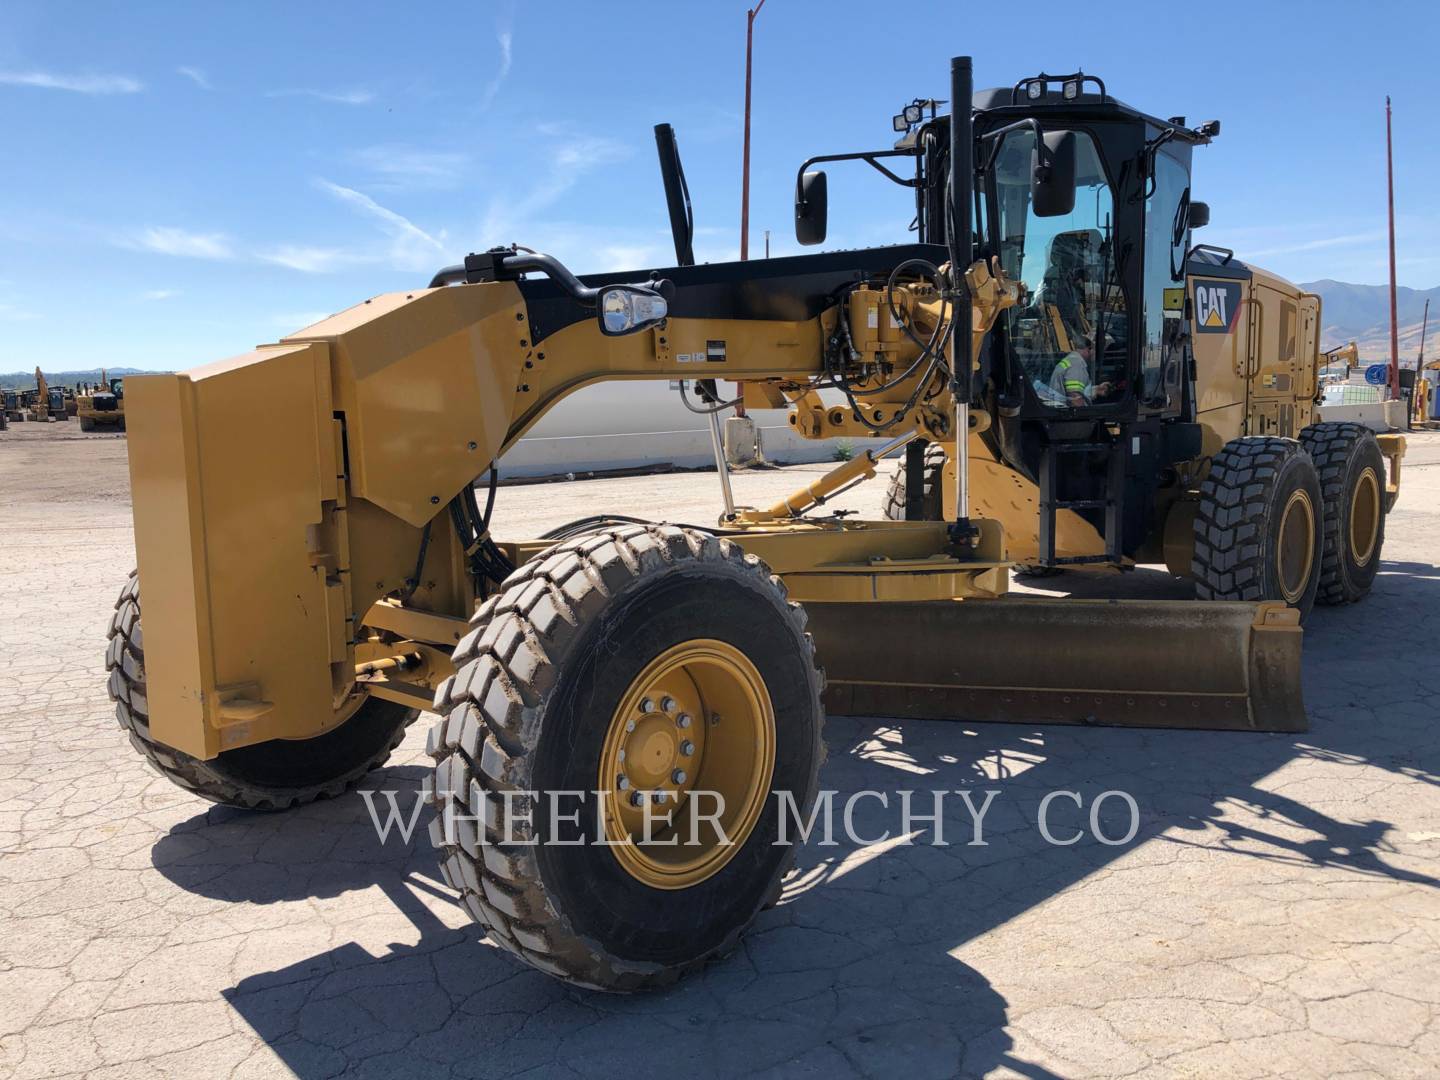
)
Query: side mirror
[
  {"x": 811, "y": 208},
  {"x": 1052, "y": 179},
  {"x": 1199, "y": 214}
]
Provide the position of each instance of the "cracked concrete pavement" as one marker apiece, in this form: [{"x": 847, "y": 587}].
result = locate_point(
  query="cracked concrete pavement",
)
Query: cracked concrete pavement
[{"x": 1277, "y": 914}]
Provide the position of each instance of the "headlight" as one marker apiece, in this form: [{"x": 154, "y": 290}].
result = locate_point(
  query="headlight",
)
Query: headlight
[{"x": 625, "y": 309}]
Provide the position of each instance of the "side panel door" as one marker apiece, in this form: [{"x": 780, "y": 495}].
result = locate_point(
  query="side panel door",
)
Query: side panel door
[
  {"x": 1221, "y": 331},
  {"x": 1275, "y": 374}
]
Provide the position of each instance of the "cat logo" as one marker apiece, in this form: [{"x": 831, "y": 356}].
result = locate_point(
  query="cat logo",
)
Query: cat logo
[{"x": 1216, "y": 305}]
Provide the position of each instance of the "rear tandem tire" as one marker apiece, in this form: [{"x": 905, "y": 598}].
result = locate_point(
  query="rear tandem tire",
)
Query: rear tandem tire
[
  {"x": 1352, "y": 487},
  {"x": 87, "y": 424},
  {"x": 273, "y": 775},
  {"x": 1259, "y": 524},
  {"x": 547, "y": 679}
]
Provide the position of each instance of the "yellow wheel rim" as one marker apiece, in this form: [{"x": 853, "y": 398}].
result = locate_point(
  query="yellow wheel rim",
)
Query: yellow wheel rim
[
  {"x": 690, "y": 747},
  {"x": 1364, "y": 517},
  {"x": 1296, "y": 556}
]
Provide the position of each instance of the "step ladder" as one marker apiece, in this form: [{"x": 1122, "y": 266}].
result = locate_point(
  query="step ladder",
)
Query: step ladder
[{"x": 1051, "y": 501}]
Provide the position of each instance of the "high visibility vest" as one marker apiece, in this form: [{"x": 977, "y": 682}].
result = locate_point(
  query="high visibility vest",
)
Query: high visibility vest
[{"x": 1074, "y": 386}]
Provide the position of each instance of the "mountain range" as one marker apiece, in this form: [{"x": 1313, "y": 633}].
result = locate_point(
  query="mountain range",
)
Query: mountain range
[
  {"x": 1349, "y": 312},
  {"x": 1361, "y": 313},
  {"x": 25, "y": 380}
]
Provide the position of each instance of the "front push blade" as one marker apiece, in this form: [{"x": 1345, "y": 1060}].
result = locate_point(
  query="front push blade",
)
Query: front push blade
[{"x": 1221, "y": 665}]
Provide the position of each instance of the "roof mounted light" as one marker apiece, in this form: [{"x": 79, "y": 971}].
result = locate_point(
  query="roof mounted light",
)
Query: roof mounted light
[
  {"x": 1035, "y": 89},
  {"x": 900, "y": 122},
  {"x": 1070, "y": 90},
  {"x": 913, "y": 113}
]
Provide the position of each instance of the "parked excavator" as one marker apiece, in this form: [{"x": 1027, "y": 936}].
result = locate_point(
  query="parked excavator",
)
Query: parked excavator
[
  {"x": 629, "y": 709},
  {"x": 50, "y": 402}
]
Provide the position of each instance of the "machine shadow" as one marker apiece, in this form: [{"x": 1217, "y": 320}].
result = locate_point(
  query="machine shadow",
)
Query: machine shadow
[{"x": 872, "y": 961}]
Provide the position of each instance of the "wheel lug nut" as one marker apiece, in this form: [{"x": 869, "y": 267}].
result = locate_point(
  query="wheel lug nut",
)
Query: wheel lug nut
[
  {"x": 621, "y": 755},
  {"x": 629, "y": 725},
  {"x": 678, "y": 776},
  {"x": 637, "y": 799},
  {"x": 624, "y": 783},
  {"x": 687, "y": 748},
  {"x": 667, "y": 704},
  {"x": 714, "y": 718},
  {"x": 683, "y": 720},
  {"x": 659, "y": 796},
  {"x": 646, "y": 705}
]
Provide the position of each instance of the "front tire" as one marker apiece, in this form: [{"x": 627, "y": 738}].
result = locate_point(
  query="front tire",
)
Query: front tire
[
  {"x": 1258, "y": 525},
  {"x": 931, "y": 506},
  {"x": 553, "y": 681},
  {"x": 1352, "y": 486},
  {"x": 273, "y": 775}
]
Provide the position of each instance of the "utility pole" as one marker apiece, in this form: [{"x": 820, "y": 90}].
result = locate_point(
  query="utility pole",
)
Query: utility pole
[
  {"x": 745, "y": 167},
  {"x": 1394, "y": 322},
  {"x": 767, "y": 249}
]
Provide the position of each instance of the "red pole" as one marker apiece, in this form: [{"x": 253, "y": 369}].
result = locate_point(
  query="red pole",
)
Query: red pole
[
  {"x": 745, "y": 167},
  {"x": 1394, "y": 321}
]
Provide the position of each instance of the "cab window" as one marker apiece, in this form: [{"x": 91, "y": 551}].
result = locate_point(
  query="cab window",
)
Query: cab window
[{"x": 1069, "y": 336}]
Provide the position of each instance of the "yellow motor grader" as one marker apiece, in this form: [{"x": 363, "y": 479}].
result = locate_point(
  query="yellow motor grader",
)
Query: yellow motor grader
[{"x": 628, "y": 709}]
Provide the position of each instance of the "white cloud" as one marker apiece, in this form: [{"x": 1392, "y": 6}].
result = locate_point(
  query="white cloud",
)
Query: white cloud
[
  {"x": 335, "y": 97},
  {"x": 309, "y": 260},
  {"x": 505, "y": 38},
  {"x": 196, "y": 76},
  {"x": 571, "y": 158},
  {"x": 411, "y": 247},
  {"x": 10, "y": 313},
  {"x": 398, "y": 166},
  {"x": 159, "y": 294},
  {"x": 79, "y": 84},
  {"x": 1346, "y": 240},
  {"x": 165, "y": 240}
]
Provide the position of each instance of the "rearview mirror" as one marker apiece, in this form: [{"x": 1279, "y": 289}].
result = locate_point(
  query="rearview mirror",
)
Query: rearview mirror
[
  {"x": 1199, "y": 214},
  {"x": 810, "y": 208},
  {"x": 1052, "y": 176}
]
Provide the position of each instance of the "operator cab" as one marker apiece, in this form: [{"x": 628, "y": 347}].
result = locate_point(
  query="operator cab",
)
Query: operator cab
[
  {"x": 1104, "y": 267},
  {"x": 1086, "y": 202}
]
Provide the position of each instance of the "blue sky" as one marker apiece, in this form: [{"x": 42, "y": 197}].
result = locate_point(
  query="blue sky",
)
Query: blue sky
[{"x": 182, "y": 181}]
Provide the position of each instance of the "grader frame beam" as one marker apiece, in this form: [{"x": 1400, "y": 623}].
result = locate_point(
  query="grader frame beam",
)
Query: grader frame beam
[{"x": 263, "y": 556}]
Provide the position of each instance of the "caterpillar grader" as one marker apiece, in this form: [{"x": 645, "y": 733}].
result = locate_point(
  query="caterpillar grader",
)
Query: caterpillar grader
[{"x": 629, "y": 709}]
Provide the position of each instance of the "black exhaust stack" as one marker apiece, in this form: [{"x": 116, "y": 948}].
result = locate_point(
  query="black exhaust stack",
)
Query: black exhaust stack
[{"x": 961, "y": 200}]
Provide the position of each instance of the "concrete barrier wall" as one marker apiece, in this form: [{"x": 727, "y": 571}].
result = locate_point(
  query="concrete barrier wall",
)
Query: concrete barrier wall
[
  {"x": 1379, "y": 415},
  {"x": 633, "y": 425}
]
